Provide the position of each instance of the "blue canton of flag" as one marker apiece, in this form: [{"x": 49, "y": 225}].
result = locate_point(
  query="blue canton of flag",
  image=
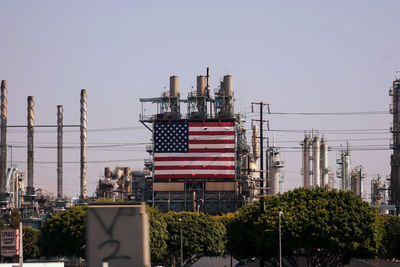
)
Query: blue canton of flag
[{"x": 171, "y": 137}]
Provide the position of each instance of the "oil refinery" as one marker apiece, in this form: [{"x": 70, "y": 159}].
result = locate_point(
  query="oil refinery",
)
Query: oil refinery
[{"x": 199, "y": 158}]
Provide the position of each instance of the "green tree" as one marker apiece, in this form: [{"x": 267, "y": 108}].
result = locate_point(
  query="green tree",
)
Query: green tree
[
  {"x": 31, "y": 240},
  {"x": 158, "y": 236},
  {"x": 391, "y": 236},
  {"x": 64, "y": 234},
  {"x": 203, "y": 235},
  {"x": 330, "y": 227}
]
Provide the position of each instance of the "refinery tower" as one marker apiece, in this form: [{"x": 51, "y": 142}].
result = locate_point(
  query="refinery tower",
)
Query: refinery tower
[{"x": 199, "y": 159}]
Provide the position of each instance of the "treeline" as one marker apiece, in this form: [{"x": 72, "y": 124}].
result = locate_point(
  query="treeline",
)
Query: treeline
[{"x": 324, "y": 227}]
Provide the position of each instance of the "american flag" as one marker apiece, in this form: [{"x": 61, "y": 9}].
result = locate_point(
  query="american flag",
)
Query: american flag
[{"x": 194, "y": 150}]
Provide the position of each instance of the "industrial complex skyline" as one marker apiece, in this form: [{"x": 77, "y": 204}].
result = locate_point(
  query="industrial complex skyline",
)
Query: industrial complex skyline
[{"x": 325, "y": 68}]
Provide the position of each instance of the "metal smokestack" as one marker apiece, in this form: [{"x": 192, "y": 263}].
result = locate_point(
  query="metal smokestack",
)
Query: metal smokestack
[
  {"x": 59, "y": 152},
  {"x": 306, "y": 162},
  {"x": 174, "y": 86},
  {"x": 30, "y": 189},
  {"x": 201, "y": 85},
  {"x": 256, "y": 144},
  {"x": 174, "y": 94},
  {"x": 228, "y": 90},
  {"x": 83, "y": 145},
  {"x": 200, "y": 95},
  {"x": 3, "y": 149},
  {"x": 107, "y": 172}
]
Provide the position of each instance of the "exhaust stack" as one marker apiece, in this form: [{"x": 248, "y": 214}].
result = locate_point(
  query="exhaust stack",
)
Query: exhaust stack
[
  {"x": 59, "y": 152},
  {"x": 30, "y": 189},
  {"x": 83, "y": 145},
  {"x": 3, "y": 150},
  {"x": 174, "y": 96}
]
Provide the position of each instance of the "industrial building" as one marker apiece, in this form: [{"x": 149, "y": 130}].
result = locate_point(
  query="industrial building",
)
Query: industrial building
[{"x": 199, "y": 158}]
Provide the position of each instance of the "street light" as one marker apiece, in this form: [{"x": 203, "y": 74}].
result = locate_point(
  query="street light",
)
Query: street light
[
  {"x": 180, "y": 222},
  {"x": 280, "y": 240}
]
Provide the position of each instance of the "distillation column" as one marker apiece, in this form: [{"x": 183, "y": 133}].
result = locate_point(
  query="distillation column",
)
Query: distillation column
[
  {"x": 324, "y": 163},
  {"x": 275, "y": 164},
  {"x": 306, "y": 162},
  {"x": 3, "y": 149},
  {"x": 346, "y": 171},
  {"x": 316, "y": 161},
  {"x": 83, "y": 131}
]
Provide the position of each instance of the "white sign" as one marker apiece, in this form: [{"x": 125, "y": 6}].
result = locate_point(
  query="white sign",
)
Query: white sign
[
  {"x": 118, "y": 235},
  {"x": 9, "y": 243}
]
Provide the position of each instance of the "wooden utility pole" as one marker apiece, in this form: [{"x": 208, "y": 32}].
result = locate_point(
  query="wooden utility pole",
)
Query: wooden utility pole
[{"x": 261, "y": 121}]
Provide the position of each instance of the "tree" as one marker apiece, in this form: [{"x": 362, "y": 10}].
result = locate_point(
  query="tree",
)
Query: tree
[
  {"x": 64, "y": 234},
  {"x": 203, "y": 235},
  {"x": 31, "y": 239},
  {"x": 330, "y": 227},
  {"x": 391, "y": 236},
  {"x": 158, "y": 236}
]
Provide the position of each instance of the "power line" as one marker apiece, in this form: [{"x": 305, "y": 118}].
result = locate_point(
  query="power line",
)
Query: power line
[{"x": 345, "y": 113}]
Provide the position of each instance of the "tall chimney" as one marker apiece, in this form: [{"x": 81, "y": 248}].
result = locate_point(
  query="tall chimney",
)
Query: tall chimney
[
  {"x": 3, "y": 149},
  {"x": 174, "y": 94},
  {"x": 200, "y": 95},
  {"x": 255, "y": 142},
  {"x": 228, "y": 87},
  {"x": 59, "y": 152},
  {"x": 30, "y": 189},
  {"x": 83, "y": 145}
]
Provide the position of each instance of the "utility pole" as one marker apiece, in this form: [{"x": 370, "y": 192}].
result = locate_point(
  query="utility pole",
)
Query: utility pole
[{"x": 261, "y": 121}]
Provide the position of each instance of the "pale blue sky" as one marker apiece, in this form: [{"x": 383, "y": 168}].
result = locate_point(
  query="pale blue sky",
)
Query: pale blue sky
[{"x": 299, "y": 56}]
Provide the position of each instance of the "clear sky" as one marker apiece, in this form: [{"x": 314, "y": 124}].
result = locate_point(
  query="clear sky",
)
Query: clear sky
[{"x": 298, "y": 56}]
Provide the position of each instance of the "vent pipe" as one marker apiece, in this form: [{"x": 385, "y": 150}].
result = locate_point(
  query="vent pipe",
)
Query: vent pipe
[
  {"x": 30, "y": 189},
  {"x": 83, "y": 131},
  {"x": 59, "y": 152},
  {"x": 3, "y": 149}
]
